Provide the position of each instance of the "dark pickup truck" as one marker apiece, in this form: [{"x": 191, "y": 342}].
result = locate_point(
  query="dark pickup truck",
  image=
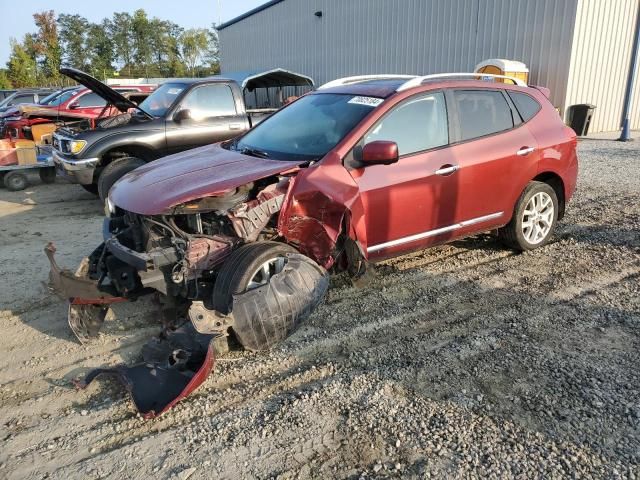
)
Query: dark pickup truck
[{"x": 181, "y": 114}]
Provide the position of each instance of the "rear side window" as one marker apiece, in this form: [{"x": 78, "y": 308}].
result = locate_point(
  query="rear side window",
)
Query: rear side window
[
  {"x": 418, "y": 124},
  {"x": 210, "y": 101},
  {"x": 526, "y": 105},
  {"x": 91, "y": 100},
  {"x": 482, "y": 112}
]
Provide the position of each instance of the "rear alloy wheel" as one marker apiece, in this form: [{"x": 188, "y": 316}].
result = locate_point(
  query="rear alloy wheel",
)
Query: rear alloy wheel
[
  {"x": 114, "y": 171},
  {"x": 534, "y": 218},
  {"x": 15, "y": 181}
]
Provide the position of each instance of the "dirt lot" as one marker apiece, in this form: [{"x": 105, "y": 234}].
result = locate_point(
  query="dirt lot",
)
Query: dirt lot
[{"x": 463, "y": 360}]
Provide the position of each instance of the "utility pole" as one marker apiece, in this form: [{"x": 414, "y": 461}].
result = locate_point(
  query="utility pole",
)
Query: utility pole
[{"x": 631, "y": 80}]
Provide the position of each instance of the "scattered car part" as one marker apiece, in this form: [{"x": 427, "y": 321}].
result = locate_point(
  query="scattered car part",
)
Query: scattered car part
[{"x": 174, "y": 364}]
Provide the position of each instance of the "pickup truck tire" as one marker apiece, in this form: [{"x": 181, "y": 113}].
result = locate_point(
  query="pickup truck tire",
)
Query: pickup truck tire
[
  {"x": 113, "y": 171},
  {"x": 47, "y": 174},
  {"x": 239, "y": 269},
  {"x": 91, "y": 188},
  {"x": 534, "y": 218}
]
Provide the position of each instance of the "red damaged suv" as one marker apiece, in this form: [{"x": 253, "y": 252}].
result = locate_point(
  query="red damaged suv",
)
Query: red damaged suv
[{"x": 237, "y": 237}]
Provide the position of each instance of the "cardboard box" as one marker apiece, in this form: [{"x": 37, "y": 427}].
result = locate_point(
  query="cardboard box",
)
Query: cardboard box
[
  {"x": 42, "y": 131},
  {"x": 26, "y": 152},
  {"x": 7, "y": 153}
]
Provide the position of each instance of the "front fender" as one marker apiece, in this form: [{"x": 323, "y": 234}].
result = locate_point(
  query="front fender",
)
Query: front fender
[{"x": 320, "y": 200}]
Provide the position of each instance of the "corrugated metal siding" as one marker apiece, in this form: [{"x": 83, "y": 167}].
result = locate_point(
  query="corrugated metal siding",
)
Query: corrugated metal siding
[
  {"x": 600, "y": 61},
  {"x": 405, "y": 36}
]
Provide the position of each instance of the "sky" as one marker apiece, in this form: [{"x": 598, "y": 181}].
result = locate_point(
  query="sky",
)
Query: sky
[{"x": 17, "y": 16}]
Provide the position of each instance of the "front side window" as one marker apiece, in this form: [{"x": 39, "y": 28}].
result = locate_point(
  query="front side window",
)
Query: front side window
[
  {"x": 209, "y": 101},
  {"x": 309, "y": 127},
  {"x": 418, "y": 124},
  {"x": 91, "y": 100},
  {"x": 482, "y": 112}
]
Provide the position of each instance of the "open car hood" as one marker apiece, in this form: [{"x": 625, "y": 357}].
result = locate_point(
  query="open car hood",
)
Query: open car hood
[
  {"x": 109, "y": 94},
  {"x": 209, "y": 171}
]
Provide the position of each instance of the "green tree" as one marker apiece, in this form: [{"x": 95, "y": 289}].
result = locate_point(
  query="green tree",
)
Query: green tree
[
  {"x": 100, "y": 49},
  {"x": 212, "y": 55},
  {"x": 142, "y": 39},
  {"x": 73, "y": 38},
  {"x": 194, "y": 45},
  {"x": 4, "y": 79},
  {"x": 121, "y": 33},
  {"x": 48, "y": 44},
  {"x": 21, "y": 66}
]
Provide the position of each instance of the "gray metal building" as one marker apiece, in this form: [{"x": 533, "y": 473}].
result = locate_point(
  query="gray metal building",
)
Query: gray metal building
[{"x": 580, "y": 49}]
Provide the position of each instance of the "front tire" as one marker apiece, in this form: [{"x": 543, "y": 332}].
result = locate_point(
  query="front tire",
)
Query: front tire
[
  {"x": 91, "y": 188},
  {"x": 534, "y": 218},
  {"x": 114, "y": 171},
  {"x": 47, "y": 174},
  {"x": 248, "y": 267}
]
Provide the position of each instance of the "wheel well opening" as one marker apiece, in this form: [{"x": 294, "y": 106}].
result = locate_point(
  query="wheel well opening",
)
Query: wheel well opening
[
  {"x": 142, "y": 153},
  {"x": 555, "y": 182}
]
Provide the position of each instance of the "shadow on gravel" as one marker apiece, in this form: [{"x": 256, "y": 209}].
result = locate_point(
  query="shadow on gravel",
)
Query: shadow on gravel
[{"x": 566, "y": 368}]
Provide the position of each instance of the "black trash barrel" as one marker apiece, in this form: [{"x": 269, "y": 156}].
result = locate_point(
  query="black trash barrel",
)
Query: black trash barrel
[{"x": 580, "y": 118}]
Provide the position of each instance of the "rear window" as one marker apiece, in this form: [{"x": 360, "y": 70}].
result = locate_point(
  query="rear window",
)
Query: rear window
[
  {"x": 482, "y": 112},
  {"x": 526, "y": 105}
]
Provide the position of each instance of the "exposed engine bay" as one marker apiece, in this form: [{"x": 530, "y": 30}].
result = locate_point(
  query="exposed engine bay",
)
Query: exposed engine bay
[{"x": 178, "y": 257}]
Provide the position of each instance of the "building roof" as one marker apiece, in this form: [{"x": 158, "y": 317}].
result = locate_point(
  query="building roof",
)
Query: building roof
[{"x": 262, "y": 7}]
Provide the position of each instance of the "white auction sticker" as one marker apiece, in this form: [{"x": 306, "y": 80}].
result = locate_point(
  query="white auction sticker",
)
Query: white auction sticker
[
  {"x": 368, "y": 101},
  {"x": 174, "y": 91}
]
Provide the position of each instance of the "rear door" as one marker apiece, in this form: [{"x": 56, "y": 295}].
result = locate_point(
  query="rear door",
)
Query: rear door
[
  {"x": 214, "y": 117},
  {"x": 495, "y": 155}
]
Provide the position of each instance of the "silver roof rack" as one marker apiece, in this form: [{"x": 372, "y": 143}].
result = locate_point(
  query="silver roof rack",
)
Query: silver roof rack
[
  {"x": 417, "y": 81},
  {"x": 363, "y": 78}
]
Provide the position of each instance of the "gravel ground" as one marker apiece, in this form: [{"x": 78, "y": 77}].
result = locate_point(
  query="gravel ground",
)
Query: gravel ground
[{"x": 466, "y": 360}]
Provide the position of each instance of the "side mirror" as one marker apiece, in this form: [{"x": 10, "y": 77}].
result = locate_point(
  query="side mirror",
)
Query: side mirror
[
  {"x": 380, "y": 152},
  {"x": 73, "y": 106},
  {"x": 182, "y": 115}
]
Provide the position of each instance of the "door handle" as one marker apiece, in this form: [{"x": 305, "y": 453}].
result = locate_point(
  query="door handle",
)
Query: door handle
[
  {"x": 447, "y": 169},
  {"x": 525, "y": 151},
  {"x": 235, "y": 126}
]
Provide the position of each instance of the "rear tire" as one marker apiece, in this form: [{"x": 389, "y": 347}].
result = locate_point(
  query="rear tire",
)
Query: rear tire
[
  {"x": 241, "y": 268},
  {"x": 15, "y": 181},
  {"x": 47, "y": 174},
  {"x": 114, "y": 171},
  {"x": 534, "y": 218}
]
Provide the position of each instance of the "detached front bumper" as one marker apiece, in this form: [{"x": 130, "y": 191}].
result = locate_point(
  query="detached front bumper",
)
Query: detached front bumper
[
  {"x": 78, "y": 171},
  {"x": 88, "y": 305}
]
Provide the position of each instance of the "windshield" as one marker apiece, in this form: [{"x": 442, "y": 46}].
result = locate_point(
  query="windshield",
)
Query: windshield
[
  {"x": 308, "y": 128},
  {"x": 161, "y": 100},
  {"x": 7, "y": 100}
]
